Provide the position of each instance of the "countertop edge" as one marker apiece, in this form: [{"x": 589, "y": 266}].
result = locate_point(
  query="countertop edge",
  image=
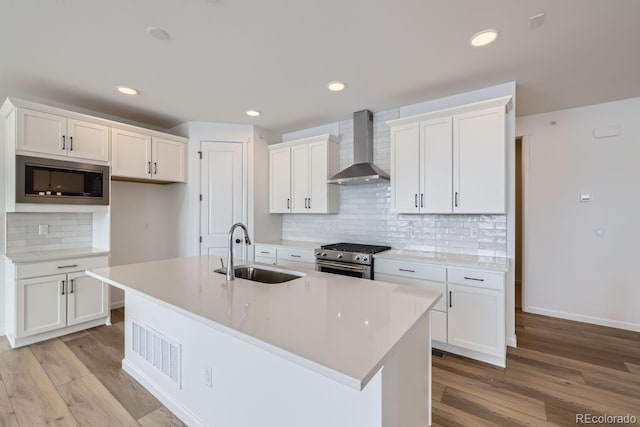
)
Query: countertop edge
[{"x": 29, "y": 258}]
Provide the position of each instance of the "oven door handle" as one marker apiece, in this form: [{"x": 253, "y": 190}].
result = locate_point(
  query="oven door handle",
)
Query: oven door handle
[{"x": 341, "y": 266}]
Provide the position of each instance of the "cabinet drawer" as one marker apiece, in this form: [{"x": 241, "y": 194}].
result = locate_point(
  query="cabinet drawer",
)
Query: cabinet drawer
[
  {"x": 47, "y": 268},
  {"x": 298, "y": 255},
  {"x": 265, "y": 251},
  {"x": 435, "y": 286},
  {"x": 477, "y": 278},
  {"x": 410, "y": 269},
  {"x": 439, "y": 326},
  {"x": 265, "y": 260}
]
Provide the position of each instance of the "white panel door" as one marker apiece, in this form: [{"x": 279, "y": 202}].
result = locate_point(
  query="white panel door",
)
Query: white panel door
[
  {"x": 41, "y": 132},
  {"x": 299, "y": 178},
  {"x": 280, "y": 180},
  {"x": 318, "y": 171},
  {"x": 479, "y": 161},
  {"x": 169, "y": 160},
  {"x": 222, "y": 197},
  {"x": 42, "y": 304},
  {"x": 130, "y": 154},
  {"x": 436, "y": 150},
  {"x": 87, "y": 299},
  {"x": 476, "y": 319},
  {"x": 405, "y": 168},
  {"x": 87, "y": 140}
]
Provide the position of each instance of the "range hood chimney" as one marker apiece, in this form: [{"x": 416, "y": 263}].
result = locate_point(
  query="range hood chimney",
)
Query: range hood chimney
[{"x": 362, "y": 171}]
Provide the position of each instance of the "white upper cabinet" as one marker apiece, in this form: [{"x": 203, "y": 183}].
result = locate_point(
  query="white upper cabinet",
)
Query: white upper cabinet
[
  {"x": 298, "y": 174},
  {"x": 450, "y": 161},
  {"x": 145, "y": 157},
  {"x": 45, "y": 133},
  {"x": 280, "y": 180}
]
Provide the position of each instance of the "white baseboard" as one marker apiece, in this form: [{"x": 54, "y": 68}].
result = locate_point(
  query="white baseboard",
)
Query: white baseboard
[
  {"x": 582, "y": 318},
  {"x": 487, "y": 358},
  {"x": 173, "y": 405},
  {"x": 512, "y": 341},
  {"x": 2, "y": 332},
  {"x": 117, "y": 304}
]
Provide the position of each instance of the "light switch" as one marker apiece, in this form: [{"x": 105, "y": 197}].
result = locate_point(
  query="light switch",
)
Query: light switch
[
  {"x": 43, "y": 229},
  {"x": 585, "y": 197}
]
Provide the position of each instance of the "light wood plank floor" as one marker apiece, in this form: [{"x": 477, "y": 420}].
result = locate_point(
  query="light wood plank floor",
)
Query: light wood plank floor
[{"x": 560, "y": 369}]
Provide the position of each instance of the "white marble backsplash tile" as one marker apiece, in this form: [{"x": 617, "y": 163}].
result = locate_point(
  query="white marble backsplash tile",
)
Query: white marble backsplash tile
[
  {"x": 66, "y": 231},
  {"x": 365, "y": 213}
]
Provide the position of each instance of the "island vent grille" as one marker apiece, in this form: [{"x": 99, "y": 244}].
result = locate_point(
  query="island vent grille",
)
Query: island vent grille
[{"x": 158, "y": 350}]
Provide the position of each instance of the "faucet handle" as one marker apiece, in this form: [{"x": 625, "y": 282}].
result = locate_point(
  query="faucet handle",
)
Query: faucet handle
[{"x": 221, "y": 262}]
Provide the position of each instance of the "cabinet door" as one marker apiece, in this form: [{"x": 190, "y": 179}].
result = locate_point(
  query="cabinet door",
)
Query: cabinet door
[
  {"x": 476, "y": 319},
  {"x": 280, "y": 180},
  {"x": 41, "y": 132},
  {"x": 169, "y": 160},
  {"x": 436, "y": 172},
  {"x": 130, "y": 154},
  {"x": 405, "y": 168},
  {"x": 87, "y": 299},
  {"x": 479, "y": 161},
  {"x": 299, "y": 178},
  {"x": 42, "y": 304},
  {"x": 317, "y": 202},
  {"x": 87, "y": 140}
]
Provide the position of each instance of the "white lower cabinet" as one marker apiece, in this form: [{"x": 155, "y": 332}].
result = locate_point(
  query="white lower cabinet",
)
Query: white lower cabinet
[
  {"x": 470, "y": 318},
  {"x": 50, "y": 305},
  {"x": 284, "y": 256}
]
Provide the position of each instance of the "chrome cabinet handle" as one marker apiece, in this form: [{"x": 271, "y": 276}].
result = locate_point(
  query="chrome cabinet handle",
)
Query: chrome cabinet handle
[
  {"x": 296, "y": 256},
  {"x": 63, "y": 283},
  {"x": 148, "y": 167},
  {"x": 71, "y": 286},
  {"x": 309, "y": 202},
  {"x": 70, "y": 143},
  {"x": 422, "y": 200},
  {"x": 406, "y": 270},
  {"x": 473, "y": 278},
  {"x": 456, "y": 199},
  {"x": 264, "y": 252},
  {"x": 155, "y": 167},
  {"x": 288, "y": 203},
  {"x": 63, "y": 142},
  {"x": 450, "y": 306},
  {"x": 416, "y": 200},
  {"x": 68, "y": 266}
]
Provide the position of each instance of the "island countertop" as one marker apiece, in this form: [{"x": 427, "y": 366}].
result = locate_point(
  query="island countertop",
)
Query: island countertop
[{"x": 341, "y": 327}]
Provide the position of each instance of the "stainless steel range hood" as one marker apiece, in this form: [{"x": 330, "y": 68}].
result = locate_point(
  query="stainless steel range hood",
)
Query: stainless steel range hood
[{"x": 362, "y": 171}]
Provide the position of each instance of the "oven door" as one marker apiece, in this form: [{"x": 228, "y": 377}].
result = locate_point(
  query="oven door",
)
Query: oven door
[{"x": 344, "y": 269}]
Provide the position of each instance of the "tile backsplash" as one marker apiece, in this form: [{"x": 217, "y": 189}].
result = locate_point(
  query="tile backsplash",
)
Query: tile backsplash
[
  {"x": 65, "y": 231},
  {"x": 365, "y": 216}
]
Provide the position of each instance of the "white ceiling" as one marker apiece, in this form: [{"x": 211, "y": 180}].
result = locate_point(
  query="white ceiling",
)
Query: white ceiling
[{"x": 277, "y": 56}]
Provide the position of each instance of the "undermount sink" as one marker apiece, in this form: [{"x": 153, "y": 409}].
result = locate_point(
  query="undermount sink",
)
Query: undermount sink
[{"x": 261, "y": 275}]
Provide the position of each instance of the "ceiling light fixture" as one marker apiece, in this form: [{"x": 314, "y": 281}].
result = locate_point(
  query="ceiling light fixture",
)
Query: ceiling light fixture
[
  {"x": 253, "y": 113},
  {"x": 484, "y": 38},
  {"x": 335, "y": 86},
  {"x": 127, "y": 90},
  {"x": 158, "y": 33}
]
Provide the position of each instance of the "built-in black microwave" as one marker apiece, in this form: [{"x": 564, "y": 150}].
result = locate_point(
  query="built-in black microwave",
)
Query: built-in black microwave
[{"x": 41, "y": 180}]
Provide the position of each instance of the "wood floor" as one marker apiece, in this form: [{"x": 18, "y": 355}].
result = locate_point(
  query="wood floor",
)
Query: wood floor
[{"x": 560, "y": 369}]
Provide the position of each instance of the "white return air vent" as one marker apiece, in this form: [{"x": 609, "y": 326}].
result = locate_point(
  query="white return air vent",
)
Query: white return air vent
[{"x": 158, "y": 350}]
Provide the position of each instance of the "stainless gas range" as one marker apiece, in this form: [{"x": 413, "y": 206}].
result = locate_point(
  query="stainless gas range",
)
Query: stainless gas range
[{"x": 347, "y": 259}]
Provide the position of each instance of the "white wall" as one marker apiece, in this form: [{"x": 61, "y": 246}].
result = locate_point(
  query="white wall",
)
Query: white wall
[
  {"x": 144, "y": 224},
  {"x": 570, "y": 269}
]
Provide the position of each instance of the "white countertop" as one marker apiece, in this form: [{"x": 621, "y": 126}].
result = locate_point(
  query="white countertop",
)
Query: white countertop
[
  {"x": 292, "y": 244},
  {"x": 54, "y": 255},
  {"x": 446, "y": 259},
  {"x": 339, "y": 326}
]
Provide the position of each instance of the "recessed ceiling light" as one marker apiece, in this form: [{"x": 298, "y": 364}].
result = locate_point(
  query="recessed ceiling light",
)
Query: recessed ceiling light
[
  {"x": 335, "y": 86},
  {"x": 484, "y": 38},
  {"x": 127, "y": 90},
  {"x": 253, "y": 113},
  {"x": 158, "y": 33}
]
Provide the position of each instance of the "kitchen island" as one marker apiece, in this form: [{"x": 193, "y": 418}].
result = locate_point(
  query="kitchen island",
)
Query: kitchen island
[{"x": 319, "y": 350}]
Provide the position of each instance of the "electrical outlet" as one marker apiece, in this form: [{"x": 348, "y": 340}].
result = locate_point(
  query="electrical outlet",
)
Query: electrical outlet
[
  {"x": 43, "y": 229},
  {"x": 208, "y": 376}
]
